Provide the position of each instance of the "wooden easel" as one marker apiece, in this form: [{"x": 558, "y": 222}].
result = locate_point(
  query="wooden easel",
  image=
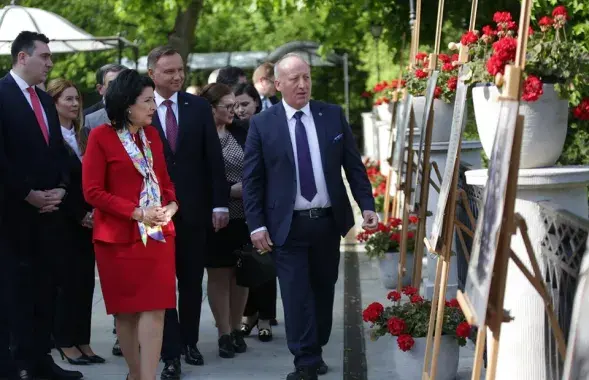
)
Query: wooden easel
[
  {"x": 482, "y": 300},
  {"x": 426, "y": 167}
]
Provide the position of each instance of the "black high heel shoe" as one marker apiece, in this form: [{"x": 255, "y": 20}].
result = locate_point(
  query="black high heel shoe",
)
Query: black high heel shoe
[
  {"x": 264, "y": 334},
  {"x": 94, "y": 359},
  {"x": 82, "y": 360}
]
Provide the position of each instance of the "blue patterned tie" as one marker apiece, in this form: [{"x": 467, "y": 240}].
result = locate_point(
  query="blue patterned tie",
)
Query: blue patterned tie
[{"x": 306, "y": 177}]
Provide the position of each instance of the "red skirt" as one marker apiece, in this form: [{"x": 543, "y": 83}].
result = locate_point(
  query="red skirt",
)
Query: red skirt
[{"x": 136, "y": 277}]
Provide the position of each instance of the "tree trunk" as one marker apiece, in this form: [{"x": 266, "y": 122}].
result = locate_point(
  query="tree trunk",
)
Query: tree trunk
[{"x": 182, "y": 37}]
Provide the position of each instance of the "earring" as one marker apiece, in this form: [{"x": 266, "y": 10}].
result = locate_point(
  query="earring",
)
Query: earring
[{"x": 129, "y": 112}]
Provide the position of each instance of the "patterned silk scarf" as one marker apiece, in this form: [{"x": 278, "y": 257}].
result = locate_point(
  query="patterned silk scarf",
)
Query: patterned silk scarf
[{"x": 150, "y": 191}]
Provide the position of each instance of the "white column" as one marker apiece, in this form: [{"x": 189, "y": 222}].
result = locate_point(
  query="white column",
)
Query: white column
[
  {"x": 368, "y": 134},
  {"x": 522, "y": 346},
  {"x": 470, "y": 154}
]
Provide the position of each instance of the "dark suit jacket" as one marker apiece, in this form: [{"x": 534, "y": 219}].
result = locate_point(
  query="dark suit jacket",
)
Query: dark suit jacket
[
  {"x": 197, "y": 168},
  {"x": 93, "y": 108},
  {"x": 270, "y": 181},
  {"x": 274, "y": 99},
  {"x": 27, "y": 162}
]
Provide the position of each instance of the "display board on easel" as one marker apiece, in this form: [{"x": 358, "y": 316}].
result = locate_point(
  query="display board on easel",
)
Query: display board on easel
[{"x": 483, "y": 297}]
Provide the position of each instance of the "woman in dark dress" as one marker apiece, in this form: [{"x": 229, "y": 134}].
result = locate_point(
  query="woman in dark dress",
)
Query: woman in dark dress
[
  {"x": 260, "y": 309},
  {"x": 73, "y": 309},
  {"x": 226, "y": 298}
]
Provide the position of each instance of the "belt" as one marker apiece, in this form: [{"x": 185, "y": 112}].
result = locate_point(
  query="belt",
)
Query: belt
[{"x": 314, "y": 213}]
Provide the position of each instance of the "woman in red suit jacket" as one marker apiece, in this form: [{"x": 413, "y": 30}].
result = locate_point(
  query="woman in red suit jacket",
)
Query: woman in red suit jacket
[{"x": 125, "y": 179}]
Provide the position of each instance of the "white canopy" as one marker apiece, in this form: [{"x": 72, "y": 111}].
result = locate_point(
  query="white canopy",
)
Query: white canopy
[{"x": 64, "y": 36}]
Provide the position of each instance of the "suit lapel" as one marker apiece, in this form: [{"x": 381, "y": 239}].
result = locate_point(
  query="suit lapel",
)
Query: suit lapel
[
  {"x": 183, "y": 115},
  {"x": 283, "y": 131},
  {"x": 54, "y": 133},
  {"x": 155, "y": 121},
  {"x": 321, "y": 129}
]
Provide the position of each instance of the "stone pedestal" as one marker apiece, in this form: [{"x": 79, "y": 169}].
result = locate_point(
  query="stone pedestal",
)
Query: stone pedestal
[
  {"x": 471, "y": 154},
  {"x": 522, "y": 350},
  {"x": 368, "y": 134}
]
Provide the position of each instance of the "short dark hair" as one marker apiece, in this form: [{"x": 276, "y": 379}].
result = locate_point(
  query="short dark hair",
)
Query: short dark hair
[
  {"x": 229, "y": 75},
  {"x": 214, "y": 92},
  {"x": 122, "y": 93},
  {"x": 158, "y": 52},
  {"x": 25, "y": 41},
  {"x": 108, "y": 68},
  {"x": 250, "y": 90}
]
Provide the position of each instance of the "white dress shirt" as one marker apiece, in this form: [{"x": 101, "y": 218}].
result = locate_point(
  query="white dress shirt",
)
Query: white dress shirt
[
  {"x": 23, "y": 87},
  {"x": 321, "y": 199},
  {"x": 69, "y": 136},
  {"x": 161, "y": 113},
  {"x": 266, "y": 103},
  {"x": 162, "y": 109}
]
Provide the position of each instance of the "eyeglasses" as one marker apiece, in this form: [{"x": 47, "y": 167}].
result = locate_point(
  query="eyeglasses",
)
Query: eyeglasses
[{"x": 228, "y": 107}]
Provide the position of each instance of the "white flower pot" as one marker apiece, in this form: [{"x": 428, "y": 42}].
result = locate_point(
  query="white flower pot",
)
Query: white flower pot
[
  {"x": 388, "y": 266},
  {"x": 384, "y": 112},
  {"x": 408, "y": 365},
  {"x": 545, "y": 125},
  {"x": 442, "y": 117}
]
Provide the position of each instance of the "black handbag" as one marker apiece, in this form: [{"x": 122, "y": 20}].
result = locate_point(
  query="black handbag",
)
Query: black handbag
[{"x": 253, "y": 268}]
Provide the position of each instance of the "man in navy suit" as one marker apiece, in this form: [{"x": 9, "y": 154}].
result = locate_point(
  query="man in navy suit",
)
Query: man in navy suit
[
  {"x": 33, "y": 163},
  {"x": 297, "y": 206},
  {"x": 195, "y": 163}
]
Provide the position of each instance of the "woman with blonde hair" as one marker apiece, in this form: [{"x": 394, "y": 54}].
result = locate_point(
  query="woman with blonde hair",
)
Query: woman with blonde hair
[{"x": 73, "y": 312}]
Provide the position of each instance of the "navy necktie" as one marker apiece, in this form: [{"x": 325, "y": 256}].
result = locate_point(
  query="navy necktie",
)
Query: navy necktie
[{"x": 306, "y": 176}]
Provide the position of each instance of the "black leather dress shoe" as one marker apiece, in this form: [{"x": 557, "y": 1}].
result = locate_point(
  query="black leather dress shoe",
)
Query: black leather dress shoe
[
  {"x": 193, "y": 356},
  {"x": 47, "y": 369},
  {"x": 172, "y": 369},
  {"x": 322, "y": 368},
  {"x": 303, "y": 374}
]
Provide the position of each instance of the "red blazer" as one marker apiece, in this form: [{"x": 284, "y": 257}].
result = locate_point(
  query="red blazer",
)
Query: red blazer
[{"x": 111, "y": 184}]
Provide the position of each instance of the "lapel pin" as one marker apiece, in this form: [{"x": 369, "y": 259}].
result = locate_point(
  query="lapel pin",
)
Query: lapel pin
[
  {"x": 320, "y": 114},
  {"x": 185, "y": 103}
]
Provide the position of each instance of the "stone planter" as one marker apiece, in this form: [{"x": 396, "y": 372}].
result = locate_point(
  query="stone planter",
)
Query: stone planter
[
  {"x": 384, "y": 112},
  {"x": 545, "y": 125},
  {"x": 442, "y": 117},
  {"x": 388, "y": 266},
  {"x": 408, "y": 365}
]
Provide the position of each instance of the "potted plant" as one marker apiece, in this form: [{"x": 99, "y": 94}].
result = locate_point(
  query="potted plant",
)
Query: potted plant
[
  {"x": 383, "y": 93},
  {"x": 384, "y": 243},
  {"x": 416, "y": 83},
  {"x": 406, "y": 323},
  {"x": 555, "y": 77}
]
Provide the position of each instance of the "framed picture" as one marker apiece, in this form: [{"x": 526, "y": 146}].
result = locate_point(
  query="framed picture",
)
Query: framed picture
[
  {"x": 484, "y": 247},
  {"x": 458, "y": 124}
]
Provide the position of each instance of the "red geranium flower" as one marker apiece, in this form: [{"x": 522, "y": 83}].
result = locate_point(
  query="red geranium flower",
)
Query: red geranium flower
[
  {"x": 452, "y": 83},
  {"x": 396, "y": 326},
  {"x": 560, "y": 15},
  {"x": 452, "y": 303},
  {"x": 395, "y": 222},
  {"x": 394, "y": 296},
  {"x": 505, "y": 49},
  {"x": 463, "y": 330},
  {"x": 489, "y": 31},
  {"x": 419, "y": 73},
  {"x": 366, "y": 94},
  {"x": 405, "y": 342},
  {"x": 373, "y": 312},
  {"x": 532, "y": 89},
  {"x": 447, "y": 66},
  {"x": 545, "y": 23},
  {"x": 416, "y": 298},
  {"x": 413, "y": 219},
  {"x": 396, "y": 237},
  {"x": 445, "y": 58},
  {"x": 495, "y": 65},
  {"x": 469, "y": 38},
  {"x": 437, "y": 92},
  {"x": 420, "y": 56},
  {"x": 409, "y": 291},
  {"x": 502, "y": 17},
  {"x": 410, "y": 235},
  {"x": 581, "y": 111}
]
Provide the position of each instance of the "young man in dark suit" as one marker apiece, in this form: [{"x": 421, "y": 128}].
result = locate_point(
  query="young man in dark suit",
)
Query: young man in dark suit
[
  {"x": 33, "y": 159},
  {"x": 263, "y": 80},
  {"x": 297, "y": 207},
  {"x": 104, "y": 76},
  {"x": 196, "y": 166}
]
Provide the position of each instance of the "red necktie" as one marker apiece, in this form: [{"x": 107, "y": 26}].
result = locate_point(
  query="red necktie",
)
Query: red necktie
[
  {"x": 39, "y": 113},
  {"x": 171, "y": 125}
]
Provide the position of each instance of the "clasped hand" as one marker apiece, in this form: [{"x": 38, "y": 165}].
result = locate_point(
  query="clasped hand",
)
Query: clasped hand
[
  {"x": 159, "y": 216},
  {"x": 45, "y": 200}
]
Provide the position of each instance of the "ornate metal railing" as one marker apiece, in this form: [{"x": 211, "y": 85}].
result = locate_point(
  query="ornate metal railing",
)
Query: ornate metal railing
[{"x": 562, "y": 250}]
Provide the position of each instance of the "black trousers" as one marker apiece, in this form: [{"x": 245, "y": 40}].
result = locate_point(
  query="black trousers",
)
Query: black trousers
[
  {"x": 262, "y": 300},
  {"x": 181, "y": 327},
  {"x": 32, "y": 247},
  {"x": 75, "y": 290},
  {"x": 307, "y": 266}
]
